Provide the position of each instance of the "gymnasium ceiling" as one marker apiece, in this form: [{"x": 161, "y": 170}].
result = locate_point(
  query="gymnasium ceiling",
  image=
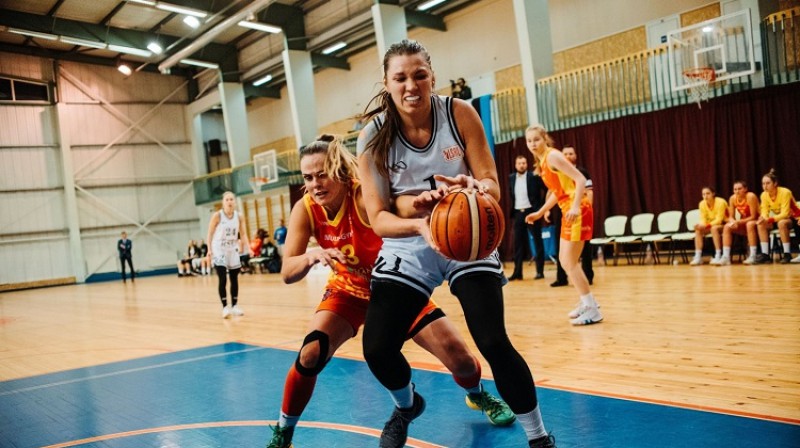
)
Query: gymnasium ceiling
[{"x": 106, "y": 32}]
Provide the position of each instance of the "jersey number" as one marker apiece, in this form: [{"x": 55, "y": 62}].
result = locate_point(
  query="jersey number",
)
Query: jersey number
[{"x": 350, "y": 253}]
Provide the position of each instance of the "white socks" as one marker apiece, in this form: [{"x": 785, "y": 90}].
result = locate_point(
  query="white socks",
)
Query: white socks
[
  {"x": 403, "y": 398},
  {"x": 532, "y": 424}
]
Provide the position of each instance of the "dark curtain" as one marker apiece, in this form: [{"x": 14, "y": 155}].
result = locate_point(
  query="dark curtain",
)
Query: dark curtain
[{"x": 661, "y": 160}]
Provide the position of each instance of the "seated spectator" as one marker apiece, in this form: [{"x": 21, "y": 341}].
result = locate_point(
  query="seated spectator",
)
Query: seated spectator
[
  {"x": 268, "y": 258},
  {"x": 712, "y": 215},
  {"x": 185, "y": 263},
  {"x": 200, "y": 264},
  {"x": 745, "y": 204},
  {"x": 461, "y": 89},
  {"x": 777, "y": 210}
]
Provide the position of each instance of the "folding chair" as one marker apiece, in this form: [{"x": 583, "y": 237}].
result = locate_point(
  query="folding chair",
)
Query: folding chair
[
  {"x": 641, "y": 225},
  {"x": 692, "y": 218},
  {"x": 669, "y": 223},
  {"x": 613, "y": 226}
]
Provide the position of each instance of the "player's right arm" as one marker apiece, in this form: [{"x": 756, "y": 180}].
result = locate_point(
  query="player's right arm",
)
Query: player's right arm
[{"x": 297, "y": 259}]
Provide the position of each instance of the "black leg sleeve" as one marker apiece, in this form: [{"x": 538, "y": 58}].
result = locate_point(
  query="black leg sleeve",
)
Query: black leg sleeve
[
  {"x": 392, "y": 309},
  {"x": 222, "y": 276},
  {"x": 481, "y": 297}
]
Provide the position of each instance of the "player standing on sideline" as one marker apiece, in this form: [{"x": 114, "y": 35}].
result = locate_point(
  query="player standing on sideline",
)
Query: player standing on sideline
[
  {"x": 332, "y": 210},
  {"x": 567, "y": 187},
  {"x": 416, "y": 138},
  {"x": 224, "y": 231}
]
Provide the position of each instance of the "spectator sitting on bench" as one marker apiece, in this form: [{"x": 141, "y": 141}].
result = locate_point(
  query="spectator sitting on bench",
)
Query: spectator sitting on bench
[{"x": 185, "y": 263}]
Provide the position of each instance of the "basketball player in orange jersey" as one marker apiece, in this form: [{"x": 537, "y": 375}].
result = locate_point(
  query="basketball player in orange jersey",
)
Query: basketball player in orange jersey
[
  {"x": 416, "y": 146},
  {"x": 566, "y": 187},
  {"x": 332, "y": 210},
  {"x": 742, "y": 215},
  {"x": 778, "y": 208}
]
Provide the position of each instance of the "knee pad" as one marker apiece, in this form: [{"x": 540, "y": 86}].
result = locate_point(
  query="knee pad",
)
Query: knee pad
[{"x": 322, "y": 360}]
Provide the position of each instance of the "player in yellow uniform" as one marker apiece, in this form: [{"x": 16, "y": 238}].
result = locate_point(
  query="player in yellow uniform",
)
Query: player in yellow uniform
[
  {"x": 713, "y": 211},
  {"x": 777, "y": 210},
  {"x": 742, "y": 215},
  {"x": 332, "y": 210},
  {"x": 566, "y": 186}
]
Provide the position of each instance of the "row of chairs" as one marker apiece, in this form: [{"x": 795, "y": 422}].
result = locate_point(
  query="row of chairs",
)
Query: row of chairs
[{"x": 641, "y": 236}]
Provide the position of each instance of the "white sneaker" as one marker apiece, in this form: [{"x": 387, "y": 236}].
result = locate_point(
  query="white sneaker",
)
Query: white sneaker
[
  {"x": 715, "y": 261},
  {"x": 696, "y": 261},
  {"x": 577, "y": 310},
  {"x": 226, "y": 312},
  {"x": 589, "y": 315},
  {"x": 750, "y": 260},
  {"x": 236, "y": 311},
  {"x": 795, "y": 259},
  {"x": 724, "y": 261}
]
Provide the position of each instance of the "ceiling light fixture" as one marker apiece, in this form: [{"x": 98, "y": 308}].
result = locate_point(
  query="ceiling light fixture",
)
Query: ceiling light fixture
[
  {"x": 28, "y": 33},
  {"x": 263, "y": 80},
  {"x": 124, "y": 68},
  {"x": 144, "y": 2},
  {"x": 82, "y": 42},
  {"x": 192, "y": 21},
  {"x": 335, "y": 47},
  {"x": 181, "y": 10},
  {"x": 155, "y": 47},
  {"x": 129, "y": 50},
  {"x": 428, "y": 5},
  {"x": 260, "y": 26},
  {"x": 199, "y": 63}
]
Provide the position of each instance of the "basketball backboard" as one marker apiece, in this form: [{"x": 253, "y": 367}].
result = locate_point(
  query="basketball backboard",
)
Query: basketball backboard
[
  {"x": 265, "y": 165},
  {"x": 724, "y": 44}
]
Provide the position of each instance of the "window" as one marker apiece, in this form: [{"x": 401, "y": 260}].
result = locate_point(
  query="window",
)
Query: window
[{"x": 17, "y": 90}]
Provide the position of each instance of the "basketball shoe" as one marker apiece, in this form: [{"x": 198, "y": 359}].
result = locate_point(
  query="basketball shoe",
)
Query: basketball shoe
[
  {"x": 281, "y": 437},
  {"x": 696, "y": 261},
  {"x": 786, "y": 258},
  {"x": 750, "y": 260},
  {"x": 763, "y": 259},
  {"x": 236, "y": 311},
  {"x": 716, "y": 261},
  {"x": 226, "y": 312},
  {"x": 395, "y": 432},
  {"x": 577, "y": 310},
  {"x": 795, "y": 259},
  {"x": 547, "y": 441},
  {"x": 724, "y": 261},
  {"x": 589, "y": 315},
  {"x": 496, "y": 410}
]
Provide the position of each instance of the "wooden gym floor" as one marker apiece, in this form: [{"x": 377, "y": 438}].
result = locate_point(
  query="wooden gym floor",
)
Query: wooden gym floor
[{"x": 687, "y": 356}]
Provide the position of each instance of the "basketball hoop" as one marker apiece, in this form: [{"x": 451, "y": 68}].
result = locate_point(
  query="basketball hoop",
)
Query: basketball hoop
[
  {"x": 257, "y": 182},
  {"x": 699, "y": 81}
]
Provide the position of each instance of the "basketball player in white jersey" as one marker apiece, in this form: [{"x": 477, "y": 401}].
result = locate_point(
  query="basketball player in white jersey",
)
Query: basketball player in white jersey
[
  {"x": 416, "y": 146},
  {"x": 224, "y": 232}
]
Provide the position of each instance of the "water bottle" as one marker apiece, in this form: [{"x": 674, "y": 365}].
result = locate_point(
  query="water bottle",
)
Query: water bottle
[
  {"x": 648, "y": 257},
  {"x": 600, "y": 257}
]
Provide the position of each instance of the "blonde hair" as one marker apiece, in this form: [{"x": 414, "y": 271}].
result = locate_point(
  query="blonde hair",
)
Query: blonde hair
[
  {"x": 340, "y": 163},
  {"x": 541, "y": 130}
]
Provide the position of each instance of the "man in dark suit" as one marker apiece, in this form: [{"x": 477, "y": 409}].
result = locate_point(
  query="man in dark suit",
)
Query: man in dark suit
[
  {"x": 527, "y": 194},
  {"x": 124, "y": 247}
]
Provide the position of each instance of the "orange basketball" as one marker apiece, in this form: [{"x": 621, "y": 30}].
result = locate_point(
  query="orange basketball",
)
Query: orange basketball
[{"x": 467, "y": 226}]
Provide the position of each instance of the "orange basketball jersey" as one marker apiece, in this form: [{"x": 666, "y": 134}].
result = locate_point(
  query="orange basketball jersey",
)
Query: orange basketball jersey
[
  {"x": 349, "y": 233},
  {"x": 742, "y": 207}
]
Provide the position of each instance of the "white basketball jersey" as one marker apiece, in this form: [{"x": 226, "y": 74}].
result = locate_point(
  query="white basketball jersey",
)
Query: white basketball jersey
[
  {"x": 226, "y": 241},
  {"x": 411, "y": 168}
]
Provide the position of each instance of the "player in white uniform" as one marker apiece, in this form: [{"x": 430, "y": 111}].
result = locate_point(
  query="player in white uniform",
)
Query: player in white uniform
[
  {"x": 224, "y": 232},
  {"x": 416, "y": 146}
]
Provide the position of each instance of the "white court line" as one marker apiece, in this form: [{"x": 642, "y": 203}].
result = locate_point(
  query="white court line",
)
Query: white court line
[{"x": 122, "y": 372}]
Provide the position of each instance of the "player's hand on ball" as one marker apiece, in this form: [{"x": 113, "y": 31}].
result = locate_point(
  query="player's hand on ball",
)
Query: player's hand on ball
[{"x": 462, "y": 181}]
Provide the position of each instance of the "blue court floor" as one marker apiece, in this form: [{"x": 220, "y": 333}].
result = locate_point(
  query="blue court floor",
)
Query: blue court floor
[{"x": 228, "y": 395}]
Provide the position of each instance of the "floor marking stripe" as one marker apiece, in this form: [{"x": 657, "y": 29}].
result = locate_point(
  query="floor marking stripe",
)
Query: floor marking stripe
[
  {"x": 372, "y": 432},
  {"x": 122, "y": 372}
]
